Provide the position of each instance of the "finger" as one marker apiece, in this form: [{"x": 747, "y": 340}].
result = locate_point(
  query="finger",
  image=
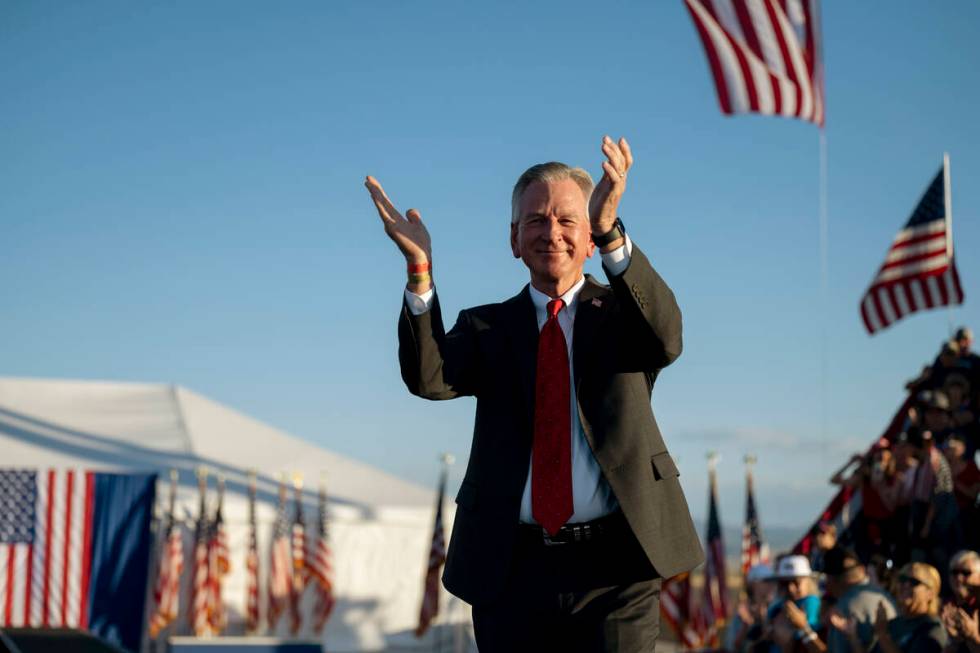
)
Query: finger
[
  {"x": 624, "y": 147},
  {"x": 616, "y": 176},
  {"x": 414, "y": 216},
  {"x": 386, "y": 209},
  {"x": 611, "y": 150}
]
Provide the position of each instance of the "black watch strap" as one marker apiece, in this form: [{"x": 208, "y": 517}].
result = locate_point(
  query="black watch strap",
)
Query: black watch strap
[{"x": 614, "y": 234}]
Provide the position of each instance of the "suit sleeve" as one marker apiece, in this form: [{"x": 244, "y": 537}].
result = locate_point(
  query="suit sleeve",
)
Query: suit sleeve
[
  {"x": 436, "y": 365},
  {"x": 650, "y": 317}
]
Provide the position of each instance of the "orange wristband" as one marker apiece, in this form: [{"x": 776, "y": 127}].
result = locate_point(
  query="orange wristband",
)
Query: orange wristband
[{"x": 415, "y": 268}]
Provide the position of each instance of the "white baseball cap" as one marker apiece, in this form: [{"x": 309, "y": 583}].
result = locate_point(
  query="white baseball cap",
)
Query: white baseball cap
[{"x": 793, "y": 567}]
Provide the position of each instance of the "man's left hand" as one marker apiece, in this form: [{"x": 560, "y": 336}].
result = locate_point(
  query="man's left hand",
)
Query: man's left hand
[{"x": 604, "y": 203}]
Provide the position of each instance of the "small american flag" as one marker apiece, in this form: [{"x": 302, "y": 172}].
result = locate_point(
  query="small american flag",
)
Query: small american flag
[
  {"x": 437, "y": 556},
  {"x": 919, "y": 271},
  {"x": 252, "y": 565},
  {"x": 218, "y": 564},
  {"x": 675, "y": 606},
  {"x": 754, "y": 548},
  {"x": 280, "y": 562},
  {"x": 715, "y": 583},
  {"x": 299, "y": 570},
  {"x": 764, "y": 55},
  {"x": 166, "y": 591},
  {"x": 321, "y": 567},
  {"x": 200, "y": 618}
]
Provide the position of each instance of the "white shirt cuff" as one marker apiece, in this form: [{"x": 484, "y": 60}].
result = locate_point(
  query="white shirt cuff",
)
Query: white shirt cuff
[
  {"x": 618, "y": 260},
  {"x": 419, "y": 304}
]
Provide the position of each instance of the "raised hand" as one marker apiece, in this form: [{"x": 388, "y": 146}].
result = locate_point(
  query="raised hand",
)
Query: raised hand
[
  {"x": 604, "y": 203},
  {"x": 407, "y": 232}
]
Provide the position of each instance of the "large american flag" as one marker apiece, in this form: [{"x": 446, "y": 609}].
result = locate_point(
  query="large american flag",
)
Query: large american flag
[
  {"x": 764, "y": 55},
  {"x": 199, "y": 613},
  {"x": 166, "y": 590},
  {"x": 64, "y": 535},
  {"x": 321, "y": 567},
  {"x": 280, "y": 562},
  {"x": 754, "y": 548},
  {"x": 45, "y": 540},
  {"x": 437, "y": 556},
  {"x": 919, "y": 271},
  {"x": 252, "y": 565}
]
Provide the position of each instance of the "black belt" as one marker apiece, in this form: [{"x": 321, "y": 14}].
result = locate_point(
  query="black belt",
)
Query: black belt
[{"x": 596, "y": 529}]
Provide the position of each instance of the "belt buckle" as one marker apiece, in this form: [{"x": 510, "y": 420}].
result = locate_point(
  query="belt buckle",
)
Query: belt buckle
[{"x": 548, "y": 541}]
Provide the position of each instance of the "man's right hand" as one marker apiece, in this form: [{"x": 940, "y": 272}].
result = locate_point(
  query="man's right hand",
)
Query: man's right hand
[{"x": 407, "y": 232}]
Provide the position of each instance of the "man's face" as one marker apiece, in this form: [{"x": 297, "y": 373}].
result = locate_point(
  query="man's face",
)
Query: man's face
[{"x": 552, "y": 234}]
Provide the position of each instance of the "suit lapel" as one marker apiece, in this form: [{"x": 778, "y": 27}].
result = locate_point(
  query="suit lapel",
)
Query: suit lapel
[
  {"x": 593, "y": 308},
  {"x": 522, "y": 328}
]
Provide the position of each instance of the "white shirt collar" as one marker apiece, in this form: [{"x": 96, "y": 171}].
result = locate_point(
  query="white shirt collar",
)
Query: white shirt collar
[{"x": 570, "y": 298}]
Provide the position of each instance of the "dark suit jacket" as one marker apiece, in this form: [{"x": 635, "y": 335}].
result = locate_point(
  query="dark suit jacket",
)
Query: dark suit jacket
[{"x": 621, "y": 342}]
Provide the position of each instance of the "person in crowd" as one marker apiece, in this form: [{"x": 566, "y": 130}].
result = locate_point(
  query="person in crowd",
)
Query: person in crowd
[
  {"x": 798, "y": 587},
  {"x": 936, "y": 418},
  {"x": 746, "y": 626},
  {"x": 857, "y": 598},
  {"x": 917, "y": 628},
  {"x": 968, "y": 360},
  {"x": 934, "y": 525},
  {"x": 959, "y": 616},
  {"x": 870, "y": 472},
  {"x": 966, "y": 485},
  {"x": 824, "y": 540},
  {"x": 933, "y": 376}
]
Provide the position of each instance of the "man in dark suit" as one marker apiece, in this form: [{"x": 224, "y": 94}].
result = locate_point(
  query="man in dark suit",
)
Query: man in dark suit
[{"x": 570, "y": 512}]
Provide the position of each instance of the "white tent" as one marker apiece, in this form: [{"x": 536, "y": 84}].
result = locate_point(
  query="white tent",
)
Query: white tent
[{"x": 380, "y": 526}]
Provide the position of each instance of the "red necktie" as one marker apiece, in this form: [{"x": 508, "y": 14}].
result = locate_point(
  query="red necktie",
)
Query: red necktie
[{"x": 551, "y": 458}]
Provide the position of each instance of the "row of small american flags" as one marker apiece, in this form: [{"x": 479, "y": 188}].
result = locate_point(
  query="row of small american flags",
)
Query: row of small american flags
[
  {"x": 296, "y": 562},
  {"x": 698, "y": 621}
]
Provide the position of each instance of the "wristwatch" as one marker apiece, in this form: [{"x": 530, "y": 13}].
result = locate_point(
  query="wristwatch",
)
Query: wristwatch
[{"x": 614, "y": 234}]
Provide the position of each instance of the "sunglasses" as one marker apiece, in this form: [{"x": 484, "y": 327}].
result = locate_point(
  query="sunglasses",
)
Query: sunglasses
[
  {"x": 909, "y": 580},
  {"x": 960, "y": 572}
]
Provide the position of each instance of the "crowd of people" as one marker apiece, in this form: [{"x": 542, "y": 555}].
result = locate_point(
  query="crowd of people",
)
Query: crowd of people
[{"x": 905, "y": 574}]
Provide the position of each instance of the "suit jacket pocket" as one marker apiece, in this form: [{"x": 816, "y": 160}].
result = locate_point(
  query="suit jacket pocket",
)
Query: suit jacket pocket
[
  {"x": 663, "y": 466},
  {"x": 466, "y": 496}
]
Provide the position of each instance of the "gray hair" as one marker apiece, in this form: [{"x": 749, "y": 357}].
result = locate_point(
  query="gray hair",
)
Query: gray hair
[
  {"x": 548, "y": 172},
  {"x": 970, "y": 557}
]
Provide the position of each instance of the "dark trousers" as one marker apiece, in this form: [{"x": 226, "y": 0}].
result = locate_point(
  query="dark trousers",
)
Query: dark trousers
[{"x": 600, "y": 595}]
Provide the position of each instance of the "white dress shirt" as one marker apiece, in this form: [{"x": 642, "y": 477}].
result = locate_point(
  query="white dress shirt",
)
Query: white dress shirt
[{"x": 591, "y": 495}]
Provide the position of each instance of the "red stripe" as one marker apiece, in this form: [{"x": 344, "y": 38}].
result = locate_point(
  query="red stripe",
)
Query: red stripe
[
  {"x": 49, "y": 519},
  {"x": 743, "y": 63},
  {"x": 811, "y": 62},
  {"x": 864, "y": 315},
  {"x": 879, "y": 309},
  {"x": 777, "y": 28},
  {"x": 893, "y": 296},
  {"x": 69, "y": 489},
  {"x": 752, "y": 38},
  {"x": 9, "y": 596},
  {"x": 716, "y": 70},
  {"x": 956, "y": 283},
  {"x": 27, "y": 590},
  {"x": 87, "y": 546},
  {"x": 921, "y": 238},
  {"x": 941, "y": 282},
  {"x": 926, "y": 292},
  {"x": 912, "y": 259}
]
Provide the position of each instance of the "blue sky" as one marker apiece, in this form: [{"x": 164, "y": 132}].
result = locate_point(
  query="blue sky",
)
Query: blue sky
[{"x": 181, "y": 201}]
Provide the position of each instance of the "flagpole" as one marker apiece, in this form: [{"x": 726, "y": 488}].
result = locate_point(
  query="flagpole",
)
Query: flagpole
[
  {"x": 824, "y": 282},
  {"x": 948, "y": 205}
]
